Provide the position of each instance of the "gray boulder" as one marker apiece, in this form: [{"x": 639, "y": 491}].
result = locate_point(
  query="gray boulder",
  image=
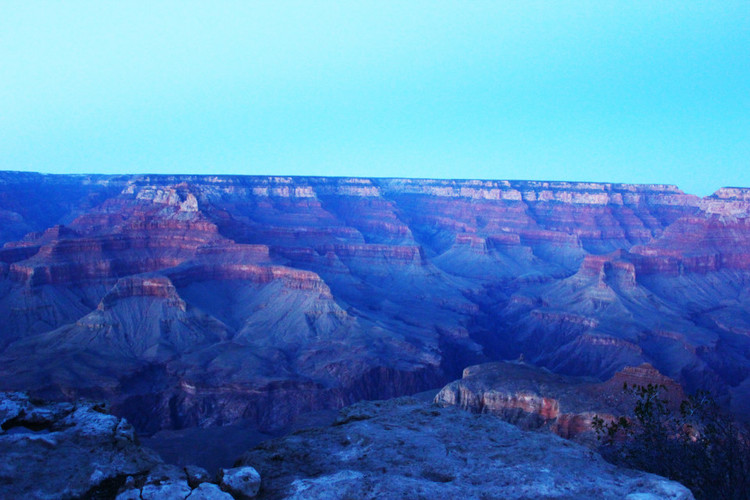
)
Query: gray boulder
[
  {"x": 172, "y": 481},
  {"x": 196, "y": 475},
  {"x": 241, "y": 482},
  {"x": 208, "y": 491},
  {"x": 165, "y": 481}
]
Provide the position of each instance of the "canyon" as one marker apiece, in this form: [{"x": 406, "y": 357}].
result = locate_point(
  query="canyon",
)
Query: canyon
[{"x": 202, "y": 301}]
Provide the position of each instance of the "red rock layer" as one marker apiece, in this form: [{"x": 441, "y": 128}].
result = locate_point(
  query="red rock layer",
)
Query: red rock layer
[
  {"x": 533, "y": 398},
  {"x": 330, "y": 280},
  {"x": 137, "y": 286},
  {"x": 260, "y": 274}
]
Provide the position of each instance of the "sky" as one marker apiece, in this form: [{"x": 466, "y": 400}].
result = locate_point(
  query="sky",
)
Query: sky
[{"x": 612, "y": 91}]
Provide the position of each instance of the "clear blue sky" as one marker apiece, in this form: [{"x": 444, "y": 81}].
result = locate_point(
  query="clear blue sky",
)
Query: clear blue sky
[{"x": 620, "y": 91}]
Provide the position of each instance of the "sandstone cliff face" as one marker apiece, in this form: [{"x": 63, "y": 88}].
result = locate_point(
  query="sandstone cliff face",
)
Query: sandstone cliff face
[
  {"x": 199, "y": 300},
  {"x": 534, "y": 398}
]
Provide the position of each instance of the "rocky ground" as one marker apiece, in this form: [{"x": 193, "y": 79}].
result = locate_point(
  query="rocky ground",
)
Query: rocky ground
[
  {"x": 77, "y": 450},
  {"x": 65, "y": 450},
  {"x": 402, "y": 448},
  {"x": 409, "y": 449}
]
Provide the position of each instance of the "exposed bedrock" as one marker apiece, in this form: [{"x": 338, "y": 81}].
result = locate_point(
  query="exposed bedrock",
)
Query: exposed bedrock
[
  {"x": 535, "y": 398},
  {"x": 78, "y": 450},
  {"x": 405, "y": 448},
  {"x": 272, "y": 295},
  {"x": 258, "y": 274},
  {"x": 66, "y": 450}
]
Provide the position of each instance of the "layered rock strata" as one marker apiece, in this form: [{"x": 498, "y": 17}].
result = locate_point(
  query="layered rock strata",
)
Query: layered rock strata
[
  {"x": 538, "y": 399},
  {"x": 207, "y": 300}
]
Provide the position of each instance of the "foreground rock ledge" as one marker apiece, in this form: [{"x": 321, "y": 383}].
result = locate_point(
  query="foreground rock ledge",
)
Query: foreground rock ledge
[
  {"x": 405, "y": 448},
  {"x": 54, "y": 451},
  {"x": 65, "y": 450}
]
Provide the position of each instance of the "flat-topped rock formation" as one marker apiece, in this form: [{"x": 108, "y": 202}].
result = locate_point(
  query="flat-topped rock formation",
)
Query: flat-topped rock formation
[
  {"x": 207, "y": 300},
  {"x": 535, "y": 398}
]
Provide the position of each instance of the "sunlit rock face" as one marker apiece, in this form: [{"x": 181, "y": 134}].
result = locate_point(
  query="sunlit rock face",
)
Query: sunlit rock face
[
  {"x": 201, "y": 301},
  {"x": 535, "y": 398}
]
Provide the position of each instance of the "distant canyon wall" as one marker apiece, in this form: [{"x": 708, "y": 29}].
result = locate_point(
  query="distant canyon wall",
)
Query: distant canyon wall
[{"x": 203, "y": 300}]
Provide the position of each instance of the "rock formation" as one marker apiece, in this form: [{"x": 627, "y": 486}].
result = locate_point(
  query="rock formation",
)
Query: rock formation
[
  {"x": 401, "y": 448},
  {"x": 65, "y": 450},
  {"x": 535, "y": 398},
  {"x": 404, "y": 448},
  {"x": 191, "y": 483},
  {"x": 78, "y": 450},
  {"x": 201, "y": 301}
]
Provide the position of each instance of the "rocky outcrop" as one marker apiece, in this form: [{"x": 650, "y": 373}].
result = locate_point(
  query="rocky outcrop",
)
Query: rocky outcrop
[
  {"x": 78, "y": 450},
  {"x": 170, "y": 481},
  {"x": 295, "y": 279},
  {"x": 241, "y": 482},
  {"x": 534, "y": 398},
  {"x": 65, "y": 450},
  {"x": 404, "y": 448}
]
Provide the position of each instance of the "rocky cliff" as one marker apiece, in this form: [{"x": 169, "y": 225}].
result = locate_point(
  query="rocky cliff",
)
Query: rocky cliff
[
  {"x": 66, "y": 450},
  {"x": 78, "y": 450},
  {"x": 404, "y": 448},
  {"x": 534, "y": 398},
  {"x": 202, "y": 301}
]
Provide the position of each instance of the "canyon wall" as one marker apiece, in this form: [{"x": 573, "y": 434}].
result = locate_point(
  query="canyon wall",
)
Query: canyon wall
[{"x": 205, "y": 300}]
